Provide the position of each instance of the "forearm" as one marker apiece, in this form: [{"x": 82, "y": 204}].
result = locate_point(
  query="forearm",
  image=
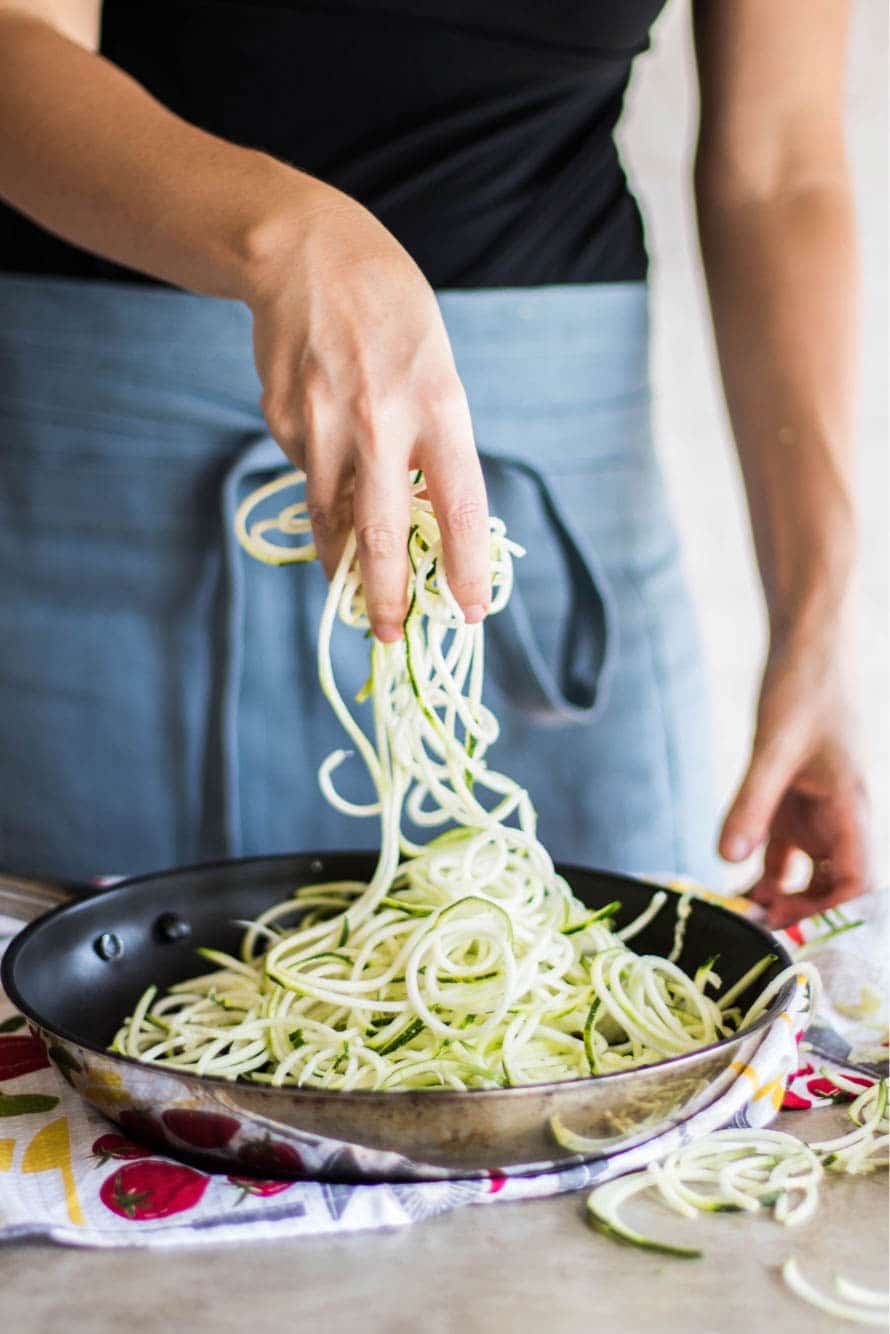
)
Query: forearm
[
  {"x": 91, "y": 156},
  {"x": 781, "y": 277}
]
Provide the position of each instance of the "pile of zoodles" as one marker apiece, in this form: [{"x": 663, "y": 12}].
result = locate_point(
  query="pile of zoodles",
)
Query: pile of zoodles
[
  {"x": 466, "y": 962},
  {"x": 739, "y": 1169}
]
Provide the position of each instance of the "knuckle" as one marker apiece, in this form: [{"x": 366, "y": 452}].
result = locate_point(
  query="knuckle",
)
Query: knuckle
[
  {"x": 469, "y": 591},
  {"x": 369, "y": 413},
  {"x": 363, "y": 407},
  {"x": 381, "y": 422},
  {"x": 316, "y": 417},
  {"x": 284, "y": 422},
  {"x": 446, "y": 400},
  {"x": 378, "y": 541},
  {"x": 465, "y": 517},
  {"x": 317, "y": 406},
  {"x": 386, "y": 611},
  {"x": 314, "y": 380},
  {"x": 328, "y": 518}
]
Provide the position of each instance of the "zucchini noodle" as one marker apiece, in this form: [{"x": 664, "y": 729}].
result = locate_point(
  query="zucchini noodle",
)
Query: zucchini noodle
[
  {"x": 466, "y": 962},
  {"x": 725, "y": 1172},
  {"x": 856, "y": 1152},
  {"x": 732, "y": 1170},
  {"x": 861, "y": 1306}
]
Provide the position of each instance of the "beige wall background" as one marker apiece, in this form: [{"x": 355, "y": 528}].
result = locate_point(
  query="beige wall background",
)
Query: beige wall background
[{"x": 657, "y": 140}]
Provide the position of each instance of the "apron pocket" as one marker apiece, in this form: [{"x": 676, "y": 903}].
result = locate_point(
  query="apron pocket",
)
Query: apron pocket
[{"x": 554, "y": 645}]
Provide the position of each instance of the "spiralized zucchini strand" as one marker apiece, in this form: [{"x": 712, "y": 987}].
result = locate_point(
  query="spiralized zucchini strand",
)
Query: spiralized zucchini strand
[
  {"x": 466, "y": 962},
  {"x": 861, "y": 1306},
  {"x": 741, "y": 1169}
]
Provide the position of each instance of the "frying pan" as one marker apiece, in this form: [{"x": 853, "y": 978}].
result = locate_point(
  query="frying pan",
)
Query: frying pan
[{"x": 77, "y": 970}]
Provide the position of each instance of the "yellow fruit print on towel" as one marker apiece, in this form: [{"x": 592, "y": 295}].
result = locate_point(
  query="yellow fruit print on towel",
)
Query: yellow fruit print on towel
[
  {"x": 774, "y": 1089},
  {"x": 7, "y": 1152},
  {"x": 50, "y": 1150}
]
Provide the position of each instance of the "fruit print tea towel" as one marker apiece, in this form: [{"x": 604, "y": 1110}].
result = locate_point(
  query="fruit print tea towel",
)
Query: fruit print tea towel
[{"x": 69, "y": 1175}]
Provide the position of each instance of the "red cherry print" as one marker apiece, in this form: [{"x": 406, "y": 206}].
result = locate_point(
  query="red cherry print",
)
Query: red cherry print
[
  {"x": 253, "y": 1186},
  {"x": 794, "y": 1102},
  {"x": 117, "y": 1146},
  {"x": 148, "y": 1190},
  {"x": 21, "y": 1054}
]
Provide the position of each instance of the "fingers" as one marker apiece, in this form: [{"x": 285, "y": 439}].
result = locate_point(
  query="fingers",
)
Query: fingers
[
  {"x": 370, "y": 491},
  {"x": 831, "y": 830},
  {"x": 357, "y": 452},
  {"x": 382, "y": 510},
  {"x": 329, "y": 500},
  {"x": 456, "y": 489},
  {"x": 329, "y": 478},
  {"x": 357, "y": 476},
  {"x": 773, "y": 890},
  {"x": 747, "y": 823},
  {"x": 833, "y": 881},
  {"x": 309, "y": 432},
  {"x": 778, "y": 861},
  {"x": 825, "y": 891}
]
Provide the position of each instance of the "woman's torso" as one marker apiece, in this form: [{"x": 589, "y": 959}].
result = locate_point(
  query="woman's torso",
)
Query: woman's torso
[{"x": 479, "y": 131}]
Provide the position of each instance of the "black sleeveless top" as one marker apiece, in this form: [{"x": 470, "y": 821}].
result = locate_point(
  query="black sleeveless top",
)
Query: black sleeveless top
[{"x": 478, "y": 131}]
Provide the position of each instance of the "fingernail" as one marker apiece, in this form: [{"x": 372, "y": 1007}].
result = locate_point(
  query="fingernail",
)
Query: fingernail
[
  {"x": 473, "y": 615},
  {"x": 736, "y": 847},
  {"x": 388, "y": 634}
]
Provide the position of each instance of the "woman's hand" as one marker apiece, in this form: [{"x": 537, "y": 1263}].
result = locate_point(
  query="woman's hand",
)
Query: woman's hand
[
  {"x": 803, "y": 790},
  {"x": 359, "y": 387}
]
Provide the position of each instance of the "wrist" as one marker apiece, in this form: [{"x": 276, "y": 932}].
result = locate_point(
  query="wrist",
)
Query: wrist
[
  {"x": 270, "y": 205},
  {"x": 814, "y": 603},
  {"x": 273, "y": 226},
  {"x": 817, "y": 649},
  {"x": 814, "y": 617}
]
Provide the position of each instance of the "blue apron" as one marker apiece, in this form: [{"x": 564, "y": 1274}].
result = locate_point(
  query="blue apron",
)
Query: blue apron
[{"x": 159, "y": 702}]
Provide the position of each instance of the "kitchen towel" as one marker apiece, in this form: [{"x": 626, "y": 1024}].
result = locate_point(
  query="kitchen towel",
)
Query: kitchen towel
[{"x": 67, "y": 1175}]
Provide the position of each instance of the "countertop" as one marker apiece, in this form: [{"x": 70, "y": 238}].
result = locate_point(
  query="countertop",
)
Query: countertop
[{"x": 518, "y": 1268}]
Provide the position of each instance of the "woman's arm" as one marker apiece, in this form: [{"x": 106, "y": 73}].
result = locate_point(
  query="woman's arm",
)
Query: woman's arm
[
  {"x": 88, "y": 154},
  {"x": 359, "y": 383},
  {"x": 777, "y": 235}
]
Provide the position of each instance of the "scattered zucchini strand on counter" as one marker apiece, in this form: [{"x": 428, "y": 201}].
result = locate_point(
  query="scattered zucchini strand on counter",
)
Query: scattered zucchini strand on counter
[
  {"x": 466, "y": 962},
  {"x": 859, "y": 1305},
  {"x": 742, "y": 1169}
]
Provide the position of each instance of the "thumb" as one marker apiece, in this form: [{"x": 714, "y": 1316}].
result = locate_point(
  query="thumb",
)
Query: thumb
[{"x": 746, "y": 826}]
